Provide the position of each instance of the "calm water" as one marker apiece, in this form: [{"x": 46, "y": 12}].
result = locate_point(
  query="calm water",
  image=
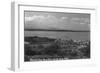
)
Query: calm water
[{"x": 63, "y": 35}]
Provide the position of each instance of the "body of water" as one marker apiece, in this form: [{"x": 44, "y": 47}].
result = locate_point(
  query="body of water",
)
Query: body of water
[{"x": 57, "y": 35}]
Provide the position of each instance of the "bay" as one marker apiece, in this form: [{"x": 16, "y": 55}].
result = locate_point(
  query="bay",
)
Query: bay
[{"x": 57, "y": 35}]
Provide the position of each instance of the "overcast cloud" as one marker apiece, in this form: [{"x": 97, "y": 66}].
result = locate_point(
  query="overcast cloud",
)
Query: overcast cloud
[{"x": 56, "y": 20}]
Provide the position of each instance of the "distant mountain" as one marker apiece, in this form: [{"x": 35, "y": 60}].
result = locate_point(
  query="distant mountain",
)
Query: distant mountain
[{"x": 57, "y": 30}]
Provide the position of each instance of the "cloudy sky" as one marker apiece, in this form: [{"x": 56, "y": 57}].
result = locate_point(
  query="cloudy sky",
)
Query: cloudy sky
[{"x": 56, "y": 20}]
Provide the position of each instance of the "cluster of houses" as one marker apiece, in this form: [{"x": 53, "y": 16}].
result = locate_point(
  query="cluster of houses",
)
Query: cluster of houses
[{"x": 64, "y": 44}]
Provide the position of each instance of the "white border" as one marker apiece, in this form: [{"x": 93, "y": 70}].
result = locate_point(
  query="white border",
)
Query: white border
[{"x": 18, "y": 34}]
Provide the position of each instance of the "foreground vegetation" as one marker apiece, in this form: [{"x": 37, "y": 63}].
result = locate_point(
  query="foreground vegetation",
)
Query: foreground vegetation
[{"x": 43, "y": 48}]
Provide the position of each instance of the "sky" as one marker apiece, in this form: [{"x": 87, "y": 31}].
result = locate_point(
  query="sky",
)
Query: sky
[{"x": 56, "y": 20}]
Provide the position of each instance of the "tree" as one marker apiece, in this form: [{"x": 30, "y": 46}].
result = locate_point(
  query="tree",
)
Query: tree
[
  {"x": 52, "y": 49},
  {"x": 28, "y": 50}
]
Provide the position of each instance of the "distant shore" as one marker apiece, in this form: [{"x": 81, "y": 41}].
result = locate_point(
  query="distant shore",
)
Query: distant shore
[{"x": 56, "y": 30}]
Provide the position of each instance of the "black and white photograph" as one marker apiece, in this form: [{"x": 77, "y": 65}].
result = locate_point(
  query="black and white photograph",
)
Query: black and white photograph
[{"x": 56, "y": 36}]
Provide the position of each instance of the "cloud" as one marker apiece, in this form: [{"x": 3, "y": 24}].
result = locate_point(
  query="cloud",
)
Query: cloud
[
  {"x": 48, "y": 21},
  {"x": 80, "y": 20},
  {"x": 75, "y": 19},
  {"x": 44, "y": 21},
  {"x": 64, "y": 18},
  {"x": 32, "y": 18},
  {"x": 80, "y": 23}
]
